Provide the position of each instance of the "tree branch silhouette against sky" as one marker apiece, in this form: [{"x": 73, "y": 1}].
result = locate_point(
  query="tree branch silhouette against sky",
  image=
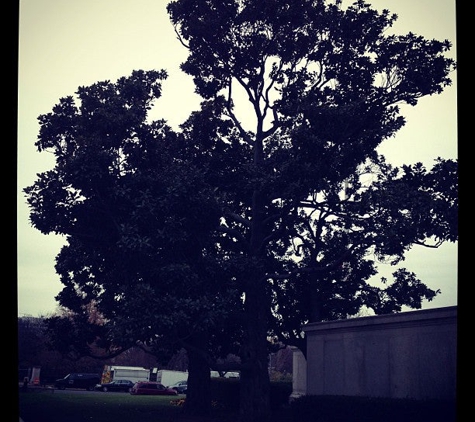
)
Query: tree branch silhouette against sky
[{"x": 64, "y": 45}]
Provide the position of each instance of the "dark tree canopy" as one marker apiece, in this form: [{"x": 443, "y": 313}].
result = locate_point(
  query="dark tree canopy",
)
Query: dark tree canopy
[{"x": 233, "y": 231}]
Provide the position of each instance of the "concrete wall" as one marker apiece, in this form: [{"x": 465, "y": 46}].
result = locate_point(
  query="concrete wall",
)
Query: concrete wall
[
  {"x": 406, "y": 355},
  {"x": 299, "y": 374}
]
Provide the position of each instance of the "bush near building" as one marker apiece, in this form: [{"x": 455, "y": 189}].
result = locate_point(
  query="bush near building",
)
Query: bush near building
[
  {"x": 225, "y": 393},
  {"x": 370, "y": 409}
]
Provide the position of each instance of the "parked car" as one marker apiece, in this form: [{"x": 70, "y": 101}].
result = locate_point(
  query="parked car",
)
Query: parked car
[
  {"x": 180, "y": 387},
  {"x": 78, "y": 380},
  {"x": 152, "y": 388},
  {"x": 117, "y": 385}
]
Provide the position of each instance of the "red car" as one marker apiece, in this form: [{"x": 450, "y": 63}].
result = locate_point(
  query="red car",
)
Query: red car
[{"x": 152, "y": 388}]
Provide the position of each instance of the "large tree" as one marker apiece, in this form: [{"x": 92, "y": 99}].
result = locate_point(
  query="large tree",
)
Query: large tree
[
  {"x": 258, "y": 222},
  {"x": 323, "y": 84},
  {"x": 138, "y": 217}
]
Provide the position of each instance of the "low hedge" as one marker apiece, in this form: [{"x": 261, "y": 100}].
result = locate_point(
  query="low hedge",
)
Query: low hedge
[
  {"x": 370, "y": 409},
  {"x": 225, "y": 393}
]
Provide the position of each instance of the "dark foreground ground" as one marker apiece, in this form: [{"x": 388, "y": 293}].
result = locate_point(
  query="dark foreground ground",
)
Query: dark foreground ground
[{"x": 48, "y": 405}]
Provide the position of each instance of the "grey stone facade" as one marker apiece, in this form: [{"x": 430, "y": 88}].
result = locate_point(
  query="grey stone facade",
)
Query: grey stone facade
[{"x": 405, "y": 355}]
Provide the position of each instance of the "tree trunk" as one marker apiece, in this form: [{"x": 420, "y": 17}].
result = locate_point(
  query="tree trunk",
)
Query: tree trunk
[
  {"x": 255, "y": 383},
  {"x": 198, "y": 396}
]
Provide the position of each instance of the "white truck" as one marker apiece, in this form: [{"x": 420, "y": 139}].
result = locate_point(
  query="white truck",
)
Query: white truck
[
  {"x": 216, "y": 374},
  {"x": 168, "y": 377},
  {"x": 131, "y": 373}
]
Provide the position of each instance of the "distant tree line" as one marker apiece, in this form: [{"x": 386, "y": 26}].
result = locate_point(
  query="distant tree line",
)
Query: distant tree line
[{"x": 35, "y": 349}]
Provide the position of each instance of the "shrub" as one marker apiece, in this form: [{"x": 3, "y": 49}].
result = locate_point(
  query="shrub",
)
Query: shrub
[
  {"x": 370, "y": 409},
  {"x": 225, "y": 393},
  {"x": 280, "y": 392}
]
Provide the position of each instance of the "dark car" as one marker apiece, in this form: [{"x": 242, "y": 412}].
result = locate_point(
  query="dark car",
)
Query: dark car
[
  {"x": 152, "y": 388},
  {"x": 117, "y": 385},
  {"x": 180, "y": 387},
  {"x": 78, "y": 380}
]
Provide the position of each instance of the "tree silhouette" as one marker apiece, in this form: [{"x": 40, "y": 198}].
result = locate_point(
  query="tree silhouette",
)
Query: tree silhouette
[
  {"x": 323, "y": 83},
  {"x": 235, "y": 231}
]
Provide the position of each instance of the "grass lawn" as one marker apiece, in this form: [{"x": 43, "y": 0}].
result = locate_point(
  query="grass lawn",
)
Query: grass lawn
[
  {"x": 43, "y": 405},
  {"x": 50, "y": 406}
]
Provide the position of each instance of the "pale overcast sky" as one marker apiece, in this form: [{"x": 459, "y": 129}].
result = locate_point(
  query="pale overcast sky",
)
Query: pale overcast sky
[{"x": 67, "y": 44}]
